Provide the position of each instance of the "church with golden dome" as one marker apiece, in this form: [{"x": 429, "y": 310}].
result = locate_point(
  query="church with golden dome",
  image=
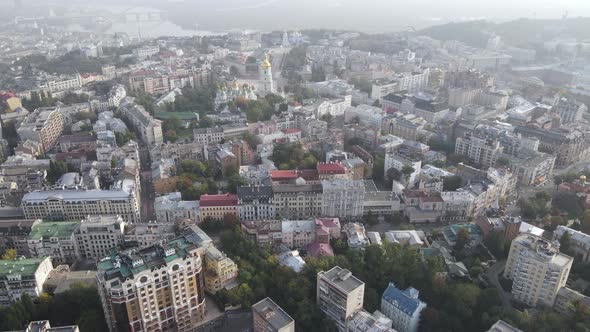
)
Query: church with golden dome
[
  {"x": 256, "y": 88},
  {"x": 266, "y": 84}
]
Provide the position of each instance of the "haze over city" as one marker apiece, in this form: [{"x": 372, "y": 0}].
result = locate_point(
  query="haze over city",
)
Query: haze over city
[{"x": 294, "y": 166}]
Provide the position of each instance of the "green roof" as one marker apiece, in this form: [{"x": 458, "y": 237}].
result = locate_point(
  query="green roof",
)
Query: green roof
[
  {"x": 25, "y": 267},
  {"x": 180, "y": 115},
  {"x": 121, "y": 264},
  {"x": 45, "y": 230}
]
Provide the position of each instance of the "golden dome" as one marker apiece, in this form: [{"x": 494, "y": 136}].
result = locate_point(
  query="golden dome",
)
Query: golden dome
[{"x": 266, "y": 63}]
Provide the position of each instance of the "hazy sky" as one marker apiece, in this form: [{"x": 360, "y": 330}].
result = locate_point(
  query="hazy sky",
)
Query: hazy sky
[{"x": 366, "y": 15}]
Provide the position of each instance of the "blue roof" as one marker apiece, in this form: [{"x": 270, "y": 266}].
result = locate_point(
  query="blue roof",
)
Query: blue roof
[{"x": 407, "y": 301}]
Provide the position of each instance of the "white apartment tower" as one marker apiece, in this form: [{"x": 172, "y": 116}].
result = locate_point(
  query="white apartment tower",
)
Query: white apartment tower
[{"x": 537, "y": 269}]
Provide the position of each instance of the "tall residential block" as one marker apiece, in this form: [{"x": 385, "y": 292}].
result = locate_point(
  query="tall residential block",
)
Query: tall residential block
[
  {"x": 537, "y": 269},
  {"x": 339, "y": 295},
  {"x": 157, "y": 288}
]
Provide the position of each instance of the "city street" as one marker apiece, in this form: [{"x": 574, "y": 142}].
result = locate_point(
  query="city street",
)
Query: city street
[{"x": 147, "y": 197}]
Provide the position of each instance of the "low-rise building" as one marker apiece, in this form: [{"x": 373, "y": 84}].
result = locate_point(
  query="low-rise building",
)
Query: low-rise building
[
  {"x": 579, "y": 242},
  {"x": 411, "y": 238},
  {"x": 23, "y": 275},
  {"x": 171, "y": 207},
  {"x": 218, "y": 206},
  {"x": 363, "y": 321},
  {"x": 56, "y": 240},
  {"x": 96, "y": 236},
  {"x": 297, "y": 201},
  {"x": 402, "y": 307},
  {"x": 355, "y": 235},
  {"x": 255, "y": 203},
  {"x": 269, "y": 317},
  {"x": 14, "y": 234},
  {"x": 566, "y": 299},
  {"x": 343, "y": 198}
]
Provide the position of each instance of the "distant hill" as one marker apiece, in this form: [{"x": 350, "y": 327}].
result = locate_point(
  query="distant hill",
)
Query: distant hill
[{"x": 522, "y": 32}]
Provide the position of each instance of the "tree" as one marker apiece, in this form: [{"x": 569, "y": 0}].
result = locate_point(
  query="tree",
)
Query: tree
[
  {"x": 234, "y": 181},
  {"x": 234, "y": 71},
  {"x": 56, "y": 170},
  {"x": 393, "y": 174},
  {"x": 462, "y": 239},
  {"x": 452, "y": 183},
  {"x": 565, "y": 243},
  {"x": 9, "y": 254}
]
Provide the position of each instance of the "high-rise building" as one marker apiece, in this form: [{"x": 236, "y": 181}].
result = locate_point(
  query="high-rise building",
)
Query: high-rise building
[
  {"x": 537, "y": 270},
  {"x": 269, "y": 317},
  {"x": 157, "y": 288},
  {"x": 339, "y": 295},
  {"x": 43, "y": 126},
  {"x": 402, "y": 307}
]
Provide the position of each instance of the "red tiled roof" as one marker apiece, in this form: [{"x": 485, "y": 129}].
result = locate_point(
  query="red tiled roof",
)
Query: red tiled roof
[
  {"x": 291, "y": 131},
  {"x": 7, "y": 95},
  {"x": 328, "y": 222},
  {"x": 292, "y": 174},
  {"x": 331, "y": 168},
  {"x": 284, "y": 175},
  {"x": 319, "y": 250},
  {"x": 219, "y": 200}
]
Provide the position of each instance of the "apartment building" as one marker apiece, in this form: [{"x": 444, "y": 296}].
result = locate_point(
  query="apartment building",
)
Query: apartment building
[
  {"x": 297, "y": 201},
  {"x": 160, "y": 287},
  {"x": 63, "y": 84},
  {"x": 343, "y": 198},
  {"x": 579, "y": 242},
  {"x": 56, "y": 240},
  {"x": 218, "y": 206},
  {"x": 399, "y": 161},
  {"x": 339, "y": 295},
  {"x": 482, "y": 151},
  {"x": 402, "y": 307},
  {"x": 566, "y": 298},
  {"x": 537, "y": 270},
  {"x": 44, "y": 125},
  {"x": 206, "y": 136},
  {"x": 23, "y": 275},
  {"x": 569, "y": 110},
  {"x": 96, "y": 236},
  {"x": 406, "y": 126},
  {"x": 171, "y": 207},
  {"x": 143, "y": 235},
  {"x": 457, "y": 206},
  {"x": 14, "y": 234},
  {"x": 149, "y": 129},
  {"x": 356, "y": 237},
  {"x": 255, "y": 203},
  {"x": 149, "y": 81},
  {"x": 566, "y": 143},
  {"x": 363, "y": 321},
  {"x": 410, "y": 82},
  {"x": 178, "y": 151},
  {"x": 78, "y": 204},
  {"x": 269, "y": 317},
  {"x": 45, "y": 326}
]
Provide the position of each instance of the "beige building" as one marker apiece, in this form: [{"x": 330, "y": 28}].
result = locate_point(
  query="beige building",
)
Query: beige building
[
  {"x": 218, "y": 206},
  {"x": 339, "y": 295},
  {"x": 78, "y": 204},
  {"x": 537, "y": 269},
  {"x": 22, "y": 276},
  {"x": 97, "y": 235},
  {"x": 45, "y": 125},
  {"x": 149, "y": 129},
  {"x": 297, "y": 201},
  {"x": 269, "y": 317},
  {"x": 55, "y": 239},
  {"x": 158, "y": 288}
]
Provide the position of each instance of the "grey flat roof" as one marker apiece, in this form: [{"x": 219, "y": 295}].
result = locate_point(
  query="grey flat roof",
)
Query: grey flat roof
[
  {"x": 343, "y": 279},
  {"x": 272, "y": 313}
]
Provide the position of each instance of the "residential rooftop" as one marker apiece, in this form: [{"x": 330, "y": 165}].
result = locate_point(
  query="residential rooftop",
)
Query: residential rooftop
[
  {"x": 342, "y": 279},
  {"x": 47, "y": 230},
  {"x": 273, "y": 314}
]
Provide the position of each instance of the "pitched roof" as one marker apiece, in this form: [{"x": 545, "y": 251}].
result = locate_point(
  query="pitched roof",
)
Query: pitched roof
[
  {"x": 218, "y": 200},
  {"x": 407, "y": 301},
  {"x": 330, "y": 168}
]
